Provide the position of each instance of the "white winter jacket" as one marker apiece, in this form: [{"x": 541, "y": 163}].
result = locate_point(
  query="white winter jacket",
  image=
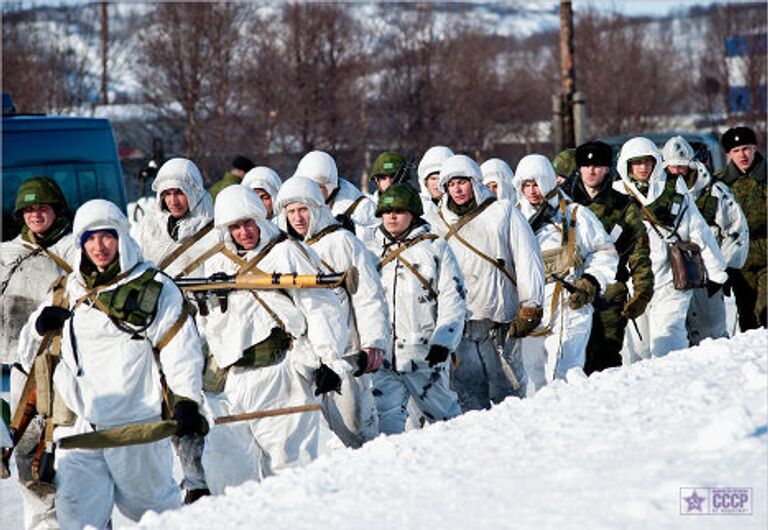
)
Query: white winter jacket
[
  {"x": 418, "y": 319},
  {"x": 730, "y": 227},
  {"x": 26, "y": 274},
  {"x": 106, "y": 376},
  {"x": 151, "y": 232},
  {"x": 593, "y": 244},
  {"x": 314, "y": 313},
  {"x": 498, "y": 171},
  {"x": 430, "y": 163},
  {"x": 691, "y": 225},
  {"x": 340, "y": 250},
  {"x": 501, "y": 233}
]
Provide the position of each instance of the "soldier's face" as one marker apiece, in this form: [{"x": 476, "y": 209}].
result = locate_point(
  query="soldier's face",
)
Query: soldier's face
[
  {"x": 397, "y": 221},
  {"x": 101, "y": 248},
  {"x": 433, "y": 181},
  {"x": 743, "y": 156},
  {"x": 298, "y": 216},
  {"x": 245, "y": 233},
  {"x": 593, "y": 176},
  {"x": 39, "y": 218},
  {"x": 266, "y": 198},
  {"x": 383, "y": 182},
  {"x": 532, "y": 192},
  {"x": 460, "y": 190},
  {"x": 679, "y": 170},
  {"x": 494, "y": 187},
  {"x": 641, "y": 168},
  {"x": 176, "y": 202}
]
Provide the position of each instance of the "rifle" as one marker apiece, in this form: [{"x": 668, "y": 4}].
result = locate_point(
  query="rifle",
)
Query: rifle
[
  {"x": 599, "y": 302},
  {"x": 25, "y": 411},
  {"x": 222, "y": 284},
  {"x": 403, "y": 172},
  {"x": 542, "y": 216}
]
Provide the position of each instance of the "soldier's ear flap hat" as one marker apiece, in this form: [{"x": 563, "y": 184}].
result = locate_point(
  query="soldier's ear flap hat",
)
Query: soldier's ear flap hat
[{"x": 737, "y": 137}]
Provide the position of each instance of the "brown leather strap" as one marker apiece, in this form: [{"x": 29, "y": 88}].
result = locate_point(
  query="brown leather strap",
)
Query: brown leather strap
[
  {"x": 645, "y": 211},
  {"x": 251, "y": 263},
  {"x": 269, "y": 310},
  {"x": 174, "y": 329},
  {"x": 351, "y": 209},
  {"x": 454, "y": 229},
  {"x": 321, "y": 234},
  {"x": 202, "y": 258},
  {"x": 55, "y": 257},
  {"x": 170, "y": 258},
  {"x": 403, "y": 247},
  {"x": 234, "y": 258},
  {"x": 419, "y": 277}
]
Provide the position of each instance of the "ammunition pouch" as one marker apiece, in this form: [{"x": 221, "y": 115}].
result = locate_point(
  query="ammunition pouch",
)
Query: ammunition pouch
[
  {"x": 214, "y": 377},
  {"x": 268, "y": 352},
  {"x": 134, "y": 302}
]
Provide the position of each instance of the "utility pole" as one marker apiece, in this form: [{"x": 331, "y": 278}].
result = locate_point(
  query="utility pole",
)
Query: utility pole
[
  {"x": 104, "y": 52},
  {"x": 567, "y": 74}
]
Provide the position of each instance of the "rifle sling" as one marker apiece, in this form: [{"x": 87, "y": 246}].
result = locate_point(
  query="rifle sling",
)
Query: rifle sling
[
  {"x": 352, "y": 207},
  {"x": 170, "y": 258},
  {"x": 55, "y": 257},
  {"x": 218, "y": 247}
]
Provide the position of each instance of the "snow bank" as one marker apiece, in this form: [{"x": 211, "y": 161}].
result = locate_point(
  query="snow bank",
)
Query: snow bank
[{"x": 612, "y": 451}]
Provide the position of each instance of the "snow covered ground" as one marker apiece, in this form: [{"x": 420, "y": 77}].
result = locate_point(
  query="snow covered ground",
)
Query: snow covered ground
[{"x": 617, "y": 450}]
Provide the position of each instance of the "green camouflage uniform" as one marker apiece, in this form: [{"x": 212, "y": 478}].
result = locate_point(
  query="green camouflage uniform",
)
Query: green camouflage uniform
[
  {"x": 749, "y": 282},
  {"x": 616, "y": 211},
  {"x": 227, "y": 180}
]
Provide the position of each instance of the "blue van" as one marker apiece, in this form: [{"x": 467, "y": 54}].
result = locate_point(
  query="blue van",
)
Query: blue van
[{"x": 78, "y": 153}]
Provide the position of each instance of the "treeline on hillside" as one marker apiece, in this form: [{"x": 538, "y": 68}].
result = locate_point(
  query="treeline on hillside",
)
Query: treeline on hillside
[{"x": 234, "y": 78}]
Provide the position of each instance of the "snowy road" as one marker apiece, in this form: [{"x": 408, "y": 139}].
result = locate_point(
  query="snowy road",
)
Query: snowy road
[{"x": 612, "y": 451}]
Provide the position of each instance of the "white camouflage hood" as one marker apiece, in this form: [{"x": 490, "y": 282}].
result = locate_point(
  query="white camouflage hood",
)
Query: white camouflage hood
[
  {"x": 98, "y": 214},
  {"x": 537, "y": 168},
  {"x": 498, "y": 171},
  {"x": 305, "y": 191},
  {"x": 237, "y": 202},
  {"x": 183, "y": 174},
  {"x": 265, "y": 178},
  {"x": 463, "y": 166},
  {"x": 430, "y": 163},
  {"x": 635, "y": 148},
  {"x": 320, "y": 167}
]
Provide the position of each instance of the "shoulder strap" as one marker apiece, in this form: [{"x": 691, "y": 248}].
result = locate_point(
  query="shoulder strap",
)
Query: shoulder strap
[
  {"x": 402, "y": 248},
  {"x": 92, "y": 295},
  {"x": 202, "y": 258},
  {"x": 251, "y": 263},
  {"x": 645, "y": 211},
  {"x": 55, "y": 257},
  {"x": 352, "y": 207},
  {"x": 422, "y": 280},
  {"x": 454, "y": 229},
  {"x": 269, "y": 310},
  {"x": 234, "y": 258},
  {"x": 174, "y": 329},
  {"x": 321, "y": 234},
  {"x": 171, "y": 257}
]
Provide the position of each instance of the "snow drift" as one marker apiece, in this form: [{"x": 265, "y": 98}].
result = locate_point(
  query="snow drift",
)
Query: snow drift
[{"x": 610, "y": 451}]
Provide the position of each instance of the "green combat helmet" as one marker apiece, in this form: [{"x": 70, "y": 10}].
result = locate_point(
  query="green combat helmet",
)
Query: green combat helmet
[
  {"x": 40, "y": 190},
  {"x": 387, "y": 164},
  {"x": 399, "y": 197},
  {"x": 565, "y": 163}
]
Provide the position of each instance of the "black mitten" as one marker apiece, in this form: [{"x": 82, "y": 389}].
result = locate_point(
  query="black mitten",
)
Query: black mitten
[
  {"x": 437, "y": 354},
  {"x": 51, "y": 318},
  {"x": 326, "y": 380},
  {"x": 188, "y": 419}
]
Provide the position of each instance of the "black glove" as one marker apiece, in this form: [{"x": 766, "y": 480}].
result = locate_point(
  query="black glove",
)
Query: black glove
[
  {"x": 326, "y": 380},
  {"x": 713, "y": 287},
  {"x": 188, "y": 419},
  {"x": 437, "y": 354},
  {"x": 51, "y": 318}
]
